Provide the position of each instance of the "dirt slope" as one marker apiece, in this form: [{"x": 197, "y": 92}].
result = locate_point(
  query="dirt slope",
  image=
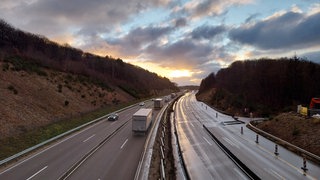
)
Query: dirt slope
[
  {"x": 29, "y": 100},
  {"x": 296, "y": 129}
]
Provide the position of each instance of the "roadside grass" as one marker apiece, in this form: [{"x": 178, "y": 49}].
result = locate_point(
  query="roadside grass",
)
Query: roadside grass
[{"x": 12, "y": 145}]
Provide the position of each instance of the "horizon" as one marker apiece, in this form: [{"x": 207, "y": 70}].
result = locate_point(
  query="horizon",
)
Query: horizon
[{"x": 184, "y": 40}]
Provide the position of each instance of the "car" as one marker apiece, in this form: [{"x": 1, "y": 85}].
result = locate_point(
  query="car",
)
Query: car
[
  {"x": 141, "y": 104},
  {"x": 113, "y": 117}
]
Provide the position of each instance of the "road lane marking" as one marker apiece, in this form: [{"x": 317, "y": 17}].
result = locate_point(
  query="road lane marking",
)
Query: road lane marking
[
  {"x": 37, "y": 173},
  {"x": 230, "y": 142},
  {"x": 274, "y": 173},
  {"x": 240, "y": 173},
  {"x": 192, "y": 125},
  {"x": 207, "y": 140},
  {"x": 124, "y": 144},
  {"x": 89, "y": 138}
]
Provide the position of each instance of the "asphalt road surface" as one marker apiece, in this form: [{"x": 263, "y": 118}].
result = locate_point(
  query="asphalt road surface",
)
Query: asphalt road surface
[
  {"x": 117, "y": 158},
  {"x": 205, "y": 161},
  {"x": 203, "y": 158}
]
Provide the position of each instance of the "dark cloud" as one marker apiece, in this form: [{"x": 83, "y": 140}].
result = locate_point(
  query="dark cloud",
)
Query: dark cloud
[
  {"x": 207, "y": 32},
  {"x": 180, "y": 22},
  {"x": 77, "y": 15},
  {"x": 290, "y": 30},
  {"x": 134, "y": 42},
  {"x": 181, "y": 54}
]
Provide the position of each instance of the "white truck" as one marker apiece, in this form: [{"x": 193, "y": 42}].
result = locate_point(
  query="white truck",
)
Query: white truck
[
  {"x": 158, "y": 103},
  {"x": 141, "y": 120}
]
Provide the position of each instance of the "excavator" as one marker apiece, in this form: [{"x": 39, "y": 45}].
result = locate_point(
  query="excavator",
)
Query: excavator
[{"x": 314, "y": 107}]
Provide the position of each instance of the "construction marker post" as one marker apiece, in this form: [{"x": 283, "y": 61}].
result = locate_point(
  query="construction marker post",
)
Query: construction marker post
[
  {"x": 241, "y": 130},
  {"x": 276, "y": 150},
  {"x": 257, "y": 138},
  {"x": 304, "y": 167}
]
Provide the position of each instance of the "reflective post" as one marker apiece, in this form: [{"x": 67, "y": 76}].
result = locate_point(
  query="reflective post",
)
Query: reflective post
[
  {"x": 304, "y": 167},
  {"x": 276, "y": 150},
  {"x": 257, "y": 138},
  {"x": 241, "y": 130}
]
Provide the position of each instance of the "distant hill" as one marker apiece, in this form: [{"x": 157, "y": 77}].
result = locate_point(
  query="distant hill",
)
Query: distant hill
[
  {"x": 111, "y": 72},
  {"x": 189, "y": 87},
  {"x": 264, "y": 86}
]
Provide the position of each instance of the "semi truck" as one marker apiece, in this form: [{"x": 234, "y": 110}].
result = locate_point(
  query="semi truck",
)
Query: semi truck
[
  {"x": 141, "y": 120},
  {"x": 158, "y": 103}
]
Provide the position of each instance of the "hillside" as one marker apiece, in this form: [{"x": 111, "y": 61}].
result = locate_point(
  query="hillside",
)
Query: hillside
[
  {"x": 296, "y": 129},
  {"x": 35, "y": 97},
  {"x": 263, "y": 86},
  {"x": 42, "y": 82},
  {"x": 109, "y": 71}
]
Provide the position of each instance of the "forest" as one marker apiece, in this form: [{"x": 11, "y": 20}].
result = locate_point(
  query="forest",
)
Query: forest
[
  {"x": 17, "y": 44},
  {"x": 264, "y": 86}
]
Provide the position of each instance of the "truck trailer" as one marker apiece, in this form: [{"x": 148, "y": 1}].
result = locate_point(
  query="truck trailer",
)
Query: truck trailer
[
  {"x": 141, "y": 120},
  {"x": 158, "y": 103}
]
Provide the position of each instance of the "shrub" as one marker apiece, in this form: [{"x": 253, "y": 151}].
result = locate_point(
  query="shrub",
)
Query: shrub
[
  {"x": 14, "y": 90},
  {"x": 295, "y": 131},
  {"x": 59, "y": 88},
  {"x": 5, "y": 66},
  {"x": 66, "y": 103}
]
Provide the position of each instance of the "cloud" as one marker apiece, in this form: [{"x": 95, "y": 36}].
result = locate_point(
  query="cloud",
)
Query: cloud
[
  {"x": 181, "y": 54},
  {"x": 252, "y": 17},
  {"x": 198, "y": 9},
  {"x": 136, "y": 40},
  {"x": 289, "y": 30},
  {"x": 207, "y": 32},
  {"x": 312, "y": 56},
  {"x": 181, "y": 22},
  {"x": 51, "y": 17}
]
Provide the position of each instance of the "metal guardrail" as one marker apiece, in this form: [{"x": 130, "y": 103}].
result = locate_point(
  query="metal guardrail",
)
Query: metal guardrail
[
  {"x": 26, "y": 151},
  {"x": 145, "y": 159},
  {"x": 285, "y": 142}
]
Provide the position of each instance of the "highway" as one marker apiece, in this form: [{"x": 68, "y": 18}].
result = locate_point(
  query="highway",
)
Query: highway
[
  {"x": 204, "y": 160},
  {"x": 116, "y": 158}
]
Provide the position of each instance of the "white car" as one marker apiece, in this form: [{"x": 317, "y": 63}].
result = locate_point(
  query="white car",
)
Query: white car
[{"x": 141, "y": 104}]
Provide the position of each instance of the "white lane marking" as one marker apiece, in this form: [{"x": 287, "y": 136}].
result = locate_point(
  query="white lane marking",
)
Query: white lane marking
[
  {"x": 277, "y": 174},
  {"x": 230, "y": 142},
  {"x": 240, "y": 173},
  {"x": 192, "y": 125},
  {"x": 207, "y": 141},
  {"x": 37, "y": 173},
  {"x": 89, "y": 138},
  {"x": 124, "y": 144}
]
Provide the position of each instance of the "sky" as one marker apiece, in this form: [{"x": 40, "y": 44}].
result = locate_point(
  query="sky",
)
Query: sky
[{"x": 183, "y": 40}]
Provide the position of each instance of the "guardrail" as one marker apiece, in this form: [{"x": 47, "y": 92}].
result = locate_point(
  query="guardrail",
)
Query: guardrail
[
  {"x": 304, "y": 152},
  {"x": 142, "y": 171}
]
